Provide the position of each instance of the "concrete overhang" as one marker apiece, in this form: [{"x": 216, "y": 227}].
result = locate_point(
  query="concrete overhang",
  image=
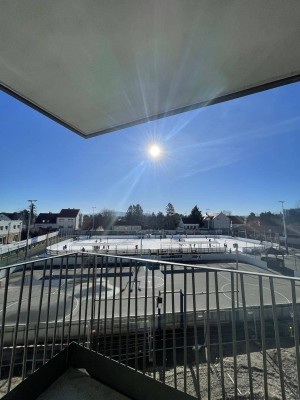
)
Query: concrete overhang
[{"x": 97, "y": 66}]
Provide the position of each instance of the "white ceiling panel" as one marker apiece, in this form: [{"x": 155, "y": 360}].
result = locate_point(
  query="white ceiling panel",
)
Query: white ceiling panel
[{"x": 97, "y": 66}]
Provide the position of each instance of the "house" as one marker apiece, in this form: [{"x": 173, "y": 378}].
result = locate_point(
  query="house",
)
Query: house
[
  {"x": 10, "y": 229},
  {"x": 217, "y": 221},
  {"x": 46, "y": 221},
  {"x": 188, "y": 224},
  {"x": 68, "y": 219}
]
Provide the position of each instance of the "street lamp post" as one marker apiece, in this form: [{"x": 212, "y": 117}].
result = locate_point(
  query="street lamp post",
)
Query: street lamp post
[
  {"x": 284, "y": 226},
  {"x": 28, "y": 227},
  {"x": 93, "y": 218},
  {"x": 208, "y": 218}
]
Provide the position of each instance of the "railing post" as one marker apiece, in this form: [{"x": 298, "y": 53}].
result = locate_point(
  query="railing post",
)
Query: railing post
[{"x": 181, "y": 299}]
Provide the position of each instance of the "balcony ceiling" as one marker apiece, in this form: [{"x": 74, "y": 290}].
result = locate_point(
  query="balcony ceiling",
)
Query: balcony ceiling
[{"x": 97, "y": 66}]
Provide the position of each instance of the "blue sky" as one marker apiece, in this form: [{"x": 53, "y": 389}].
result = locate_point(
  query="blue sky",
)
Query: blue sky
[{"x": 240, "y": 156}]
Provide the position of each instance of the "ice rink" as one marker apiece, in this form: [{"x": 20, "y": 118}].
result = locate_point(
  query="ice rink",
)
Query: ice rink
[{"x": 146, "y": 243}]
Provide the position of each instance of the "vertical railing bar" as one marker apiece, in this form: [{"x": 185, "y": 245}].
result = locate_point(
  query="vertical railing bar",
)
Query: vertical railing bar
[
  {"x": 145, "y": 321},
  {"x": 184, "y": 330},
  {"x": 57, "y": 308},
  {"x": 39, "y": 318},
  {"x": 4, "y": 316},
  {"x": 27, "y": 324},
  {"x": 85, "y": 344},
  {"x": 120, "y": 309},
  {"x": 277, "y": 338},
  {"x": 207, "y": 335},
  {"x": 80, "y": 300},
  {"x": 47, "y": 312},
  {"x": 164, "y": 323},
  {"x": 220, "y": 336},
  {"x": 296, "y": 333},
  {"x": 153, "y": 323},
  {"x": 263, "y": 336},
  {"x": 246, "y": 333},
  {"x": 136, "y": 316},
  {"x": 72, "y": 300},
  {"x": 198, "y": 389},
  {"x": 173, "y": 328},
  {"x": 64, "y": 304},
  {"x": 13, "y": 354},
  {"x": 94, "y": 277},
  {"x": 99, "y": 305},
  {"x": 128, "y": 312},
  {"x": 105, "y": 307},
  {"x": 113, "y": 313},
  {"x": 234, "y": 345}
]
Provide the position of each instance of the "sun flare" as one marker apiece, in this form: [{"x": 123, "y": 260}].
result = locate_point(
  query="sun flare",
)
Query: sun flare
[{"x": 154, "y": 151}]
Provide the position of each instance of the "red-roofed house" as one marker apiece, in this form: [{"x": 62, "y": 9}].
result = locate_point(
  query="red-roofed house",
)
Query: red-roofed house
[{"x": 68, "y": 219}]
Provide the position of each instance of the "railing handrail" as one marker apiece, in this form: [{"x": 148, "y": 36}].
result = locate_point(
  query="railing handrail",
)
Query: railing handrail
[
  {"x": 37, "y": 260},
  {"x": 155, "y": 261}
]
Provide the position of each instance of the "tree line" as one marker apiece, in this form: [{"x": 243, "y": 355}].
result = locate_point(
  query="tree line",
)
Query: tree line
[
  {"x": 170, "y": 219},
  {"x": 135, "y": 216},
  {"x": 268, "y": 221}
]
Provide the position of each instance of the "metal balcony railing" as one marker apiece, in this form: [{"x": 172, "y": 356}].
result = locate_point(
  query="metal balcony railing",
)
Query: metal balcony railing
[{"x": 210, "y": 332}]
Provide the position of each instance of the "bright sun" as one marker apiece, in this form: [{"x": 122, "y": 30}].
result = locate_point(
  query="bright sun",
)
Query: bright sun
[{"x": 154, "y": 151}]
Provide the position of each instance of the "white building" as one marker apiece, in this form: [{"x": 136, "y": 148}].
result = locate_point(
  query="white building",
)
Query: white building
[
  {"x": 68, "y": 219},
  {"x": 187, "y": 224},
  {"x": 217, "y": 221},
  {"x": 10, "y": 229}
]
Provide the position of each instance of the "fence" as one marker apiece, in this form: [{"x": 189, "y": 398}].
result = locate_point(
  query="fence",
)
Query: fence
[
  {"x": 7, "y": 248},
  {"x": 211, "y": 332}
]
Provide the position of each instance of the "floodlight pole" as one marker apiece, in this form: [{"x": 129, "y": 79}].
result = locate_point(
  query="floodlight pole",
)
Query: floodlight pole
[
  {"x": 284, "y": 226},
  {"x": 28, "y": 227}
]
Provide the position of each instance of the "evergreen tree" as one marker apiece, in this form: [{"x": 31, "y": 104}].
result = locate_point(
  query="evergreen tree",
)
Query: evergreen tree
[
  {"x": 196, "y": 215},
  {"x": 170, "y": 211},
  {"x": 251, "y": 219},
  {"x": 129, "y": 215},
  {"x": 135, "y": 215},
  {"x": 160, "y": 220},
  {"x": 171, "y": 219}
]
